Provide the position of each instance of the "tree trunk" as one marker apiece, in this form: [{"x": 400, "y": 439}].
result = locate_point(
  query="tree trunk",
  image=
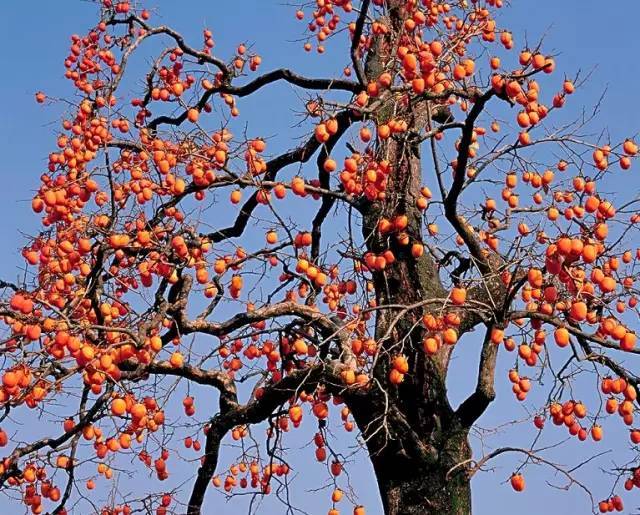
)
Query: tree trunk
[
  {"x": 413, "y": 436},
  {"x": 425, "y": 493},
  {"x": 418, "y": 464},
  {"x": 411, "y": 486}
]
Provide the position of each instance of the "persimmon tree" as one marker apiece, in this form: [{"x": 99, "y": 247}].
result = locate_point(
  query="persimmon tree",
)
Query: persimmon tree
[{"x": 437, "y": 204}]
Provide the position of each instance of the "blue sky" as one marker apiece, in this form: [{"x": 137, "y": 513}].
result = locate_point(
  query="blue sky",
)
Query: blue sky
[{"x": 585, "y": 35}]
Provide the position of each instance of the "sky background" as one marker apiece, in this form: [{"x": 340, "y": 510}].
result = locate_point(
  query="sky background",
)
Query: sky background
[{"x": 585, "y": 35}]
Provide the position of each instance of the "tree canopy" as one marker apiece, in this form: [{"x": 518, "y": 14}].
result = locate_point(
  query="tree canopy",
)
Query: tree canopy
[{"x": 437, "y": 197}]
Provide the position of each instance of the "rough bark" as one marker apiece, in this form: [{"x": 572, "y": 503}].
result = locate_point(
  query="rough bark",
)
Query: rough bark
[
  {"x": 413, "y": 435},
  {"x": 413, "y": 455},
  {"x": 421, "y": 488}
]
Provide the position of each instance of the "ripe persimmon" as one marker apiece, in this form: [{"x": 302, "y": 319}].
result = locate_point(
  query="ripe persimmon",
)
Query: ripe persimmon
[
  {"x": 118, "y": 407},
  {"x": 517, "y": 482},
  {"x": 458, "y": 296},
  {"x": 561, "y": 336}
]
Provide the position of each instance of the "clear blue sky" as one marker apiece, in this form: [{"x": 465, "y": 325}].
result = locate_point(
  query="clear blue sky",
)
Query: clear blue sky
[{"x": 586, "y": 35}]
